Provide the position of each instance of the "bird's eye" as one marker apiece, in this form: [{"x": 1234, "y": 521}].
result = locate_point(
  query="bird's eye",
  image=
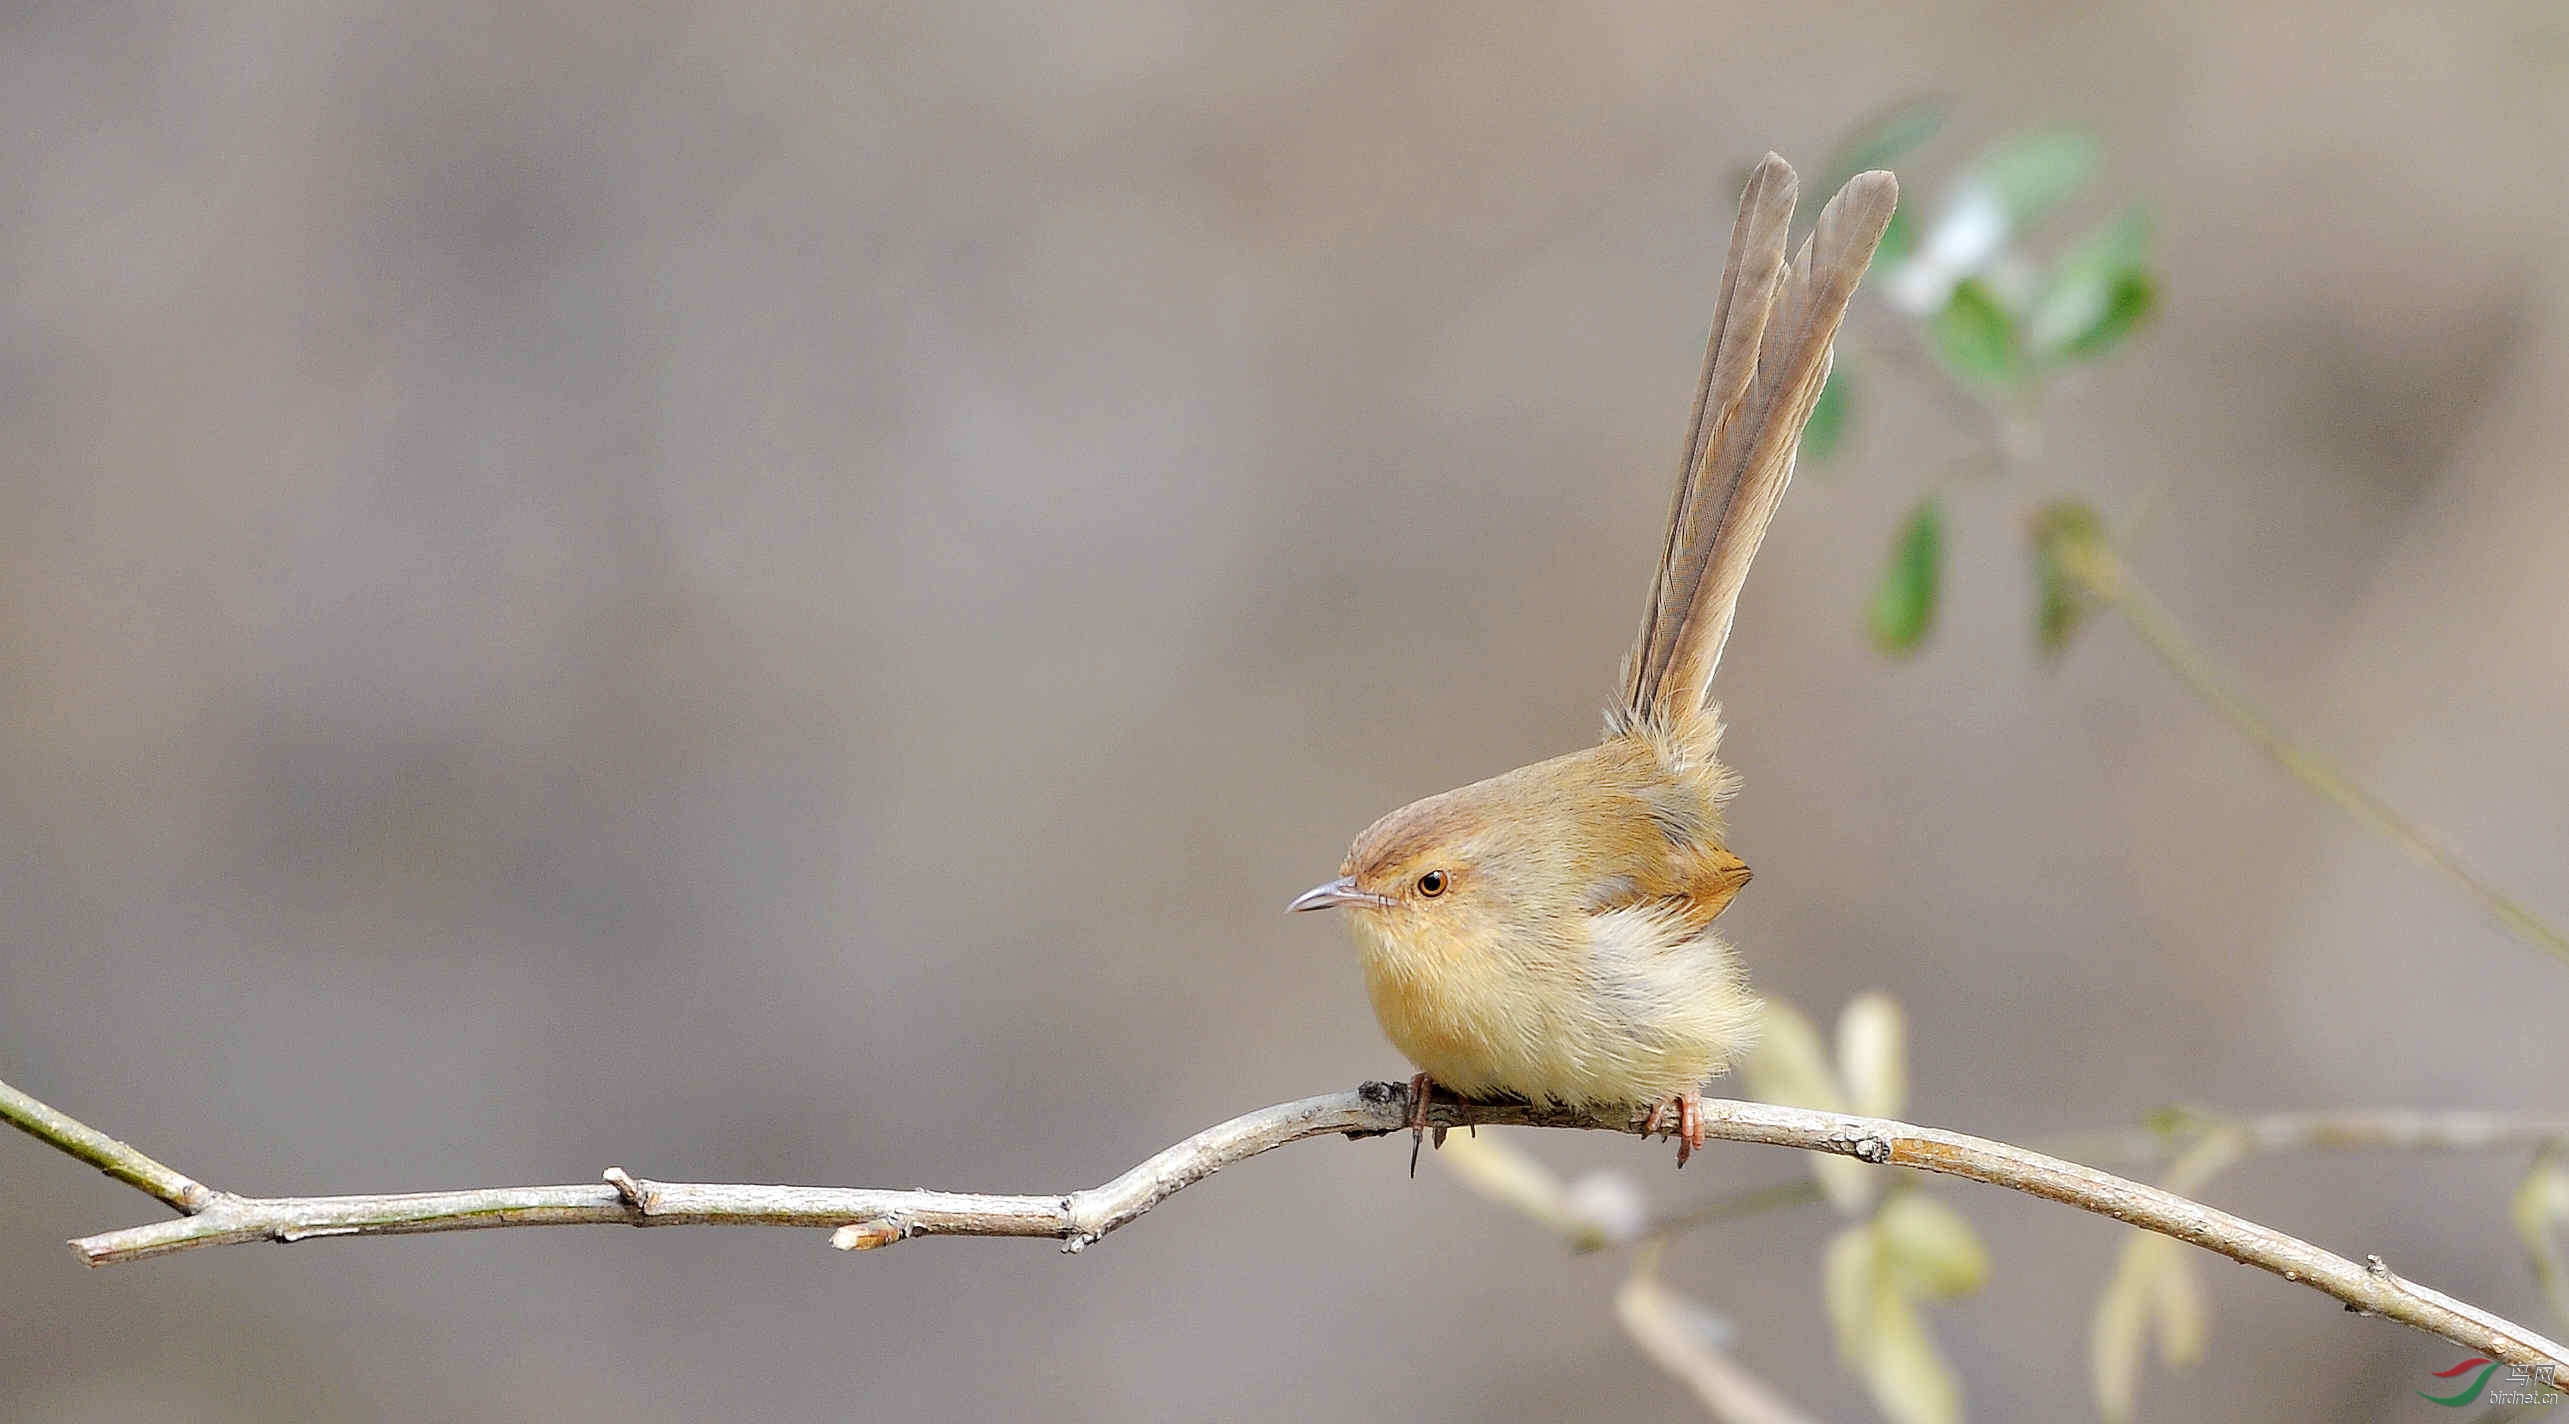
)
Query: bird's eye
[{"x": 1432, "y": 884}]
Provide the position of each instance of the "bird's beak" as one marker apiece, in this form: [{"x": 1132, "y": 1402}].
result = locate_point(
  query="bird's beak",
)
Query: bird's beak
[{"x": 1341, "y": 891}]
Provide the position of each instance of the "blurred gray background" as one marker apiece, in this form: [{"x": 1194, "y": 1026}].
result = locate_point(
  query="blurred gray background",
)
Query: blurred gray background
[{"x": 787, "y": 595}]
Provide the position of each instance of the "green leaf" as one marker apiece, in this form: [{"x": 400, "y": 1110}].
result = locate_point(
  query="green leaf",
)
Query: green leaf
[
  {"x": 2134, "y": 296},
  {"x": 1975, "y": 336},
  {"x": 2099, "y": 294},
  {"x": 2031, "y": 174},
  {"x": 1828, "y": 417},
  {"x": 2062, "y": 602},
  {"x": 1904, "y": 600}
]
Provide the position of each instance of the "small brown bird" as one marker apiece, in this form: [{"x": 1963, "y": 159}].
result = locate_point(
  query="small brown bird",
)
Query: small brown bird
[{"x": 1548, "y": 934}]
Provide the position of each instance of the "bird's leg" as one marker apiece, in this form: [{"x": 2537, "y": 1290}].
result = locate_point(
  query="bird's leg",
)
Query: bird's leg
[
  {"x": 1651, "y": 1124},
  {"x": 1419, "y": 1089}
]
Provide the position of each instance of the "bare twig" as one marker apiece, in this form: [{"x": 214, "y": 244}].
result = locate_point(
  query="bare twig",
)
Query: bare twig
[{"x": 867, "y": 1218}]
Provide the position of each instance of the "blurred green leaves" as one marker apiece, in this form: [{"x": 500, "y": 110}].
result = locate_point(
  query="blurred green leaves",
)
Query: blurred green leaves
[
  {"x": 1975, "y": 336},
  {"x": 2031, "y": 174},
  {"x": 2100, "y": 293},
  {"x": 1996, "y": 324},
  {"x": 1903, "y": 607}
]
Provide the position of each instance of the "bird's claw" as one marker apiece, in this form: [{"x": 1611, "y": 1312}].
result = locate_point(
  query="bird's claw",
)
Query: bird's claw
[
  {"x": 1651, "y": 1124},
  {"x": 1681, "y": 1116}
]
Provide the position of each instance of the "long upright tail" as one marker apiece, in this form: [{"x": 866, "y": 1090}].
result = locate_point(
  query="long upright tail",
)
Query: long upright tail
[{"x": 1763, "y": 369}]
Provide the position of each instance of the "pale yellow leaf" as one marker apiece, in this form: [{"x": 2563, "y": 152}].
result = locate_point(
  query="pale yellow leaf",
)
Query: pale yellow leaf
[
  {"x": 1930, "y": 1248},
  {"x": 1873, "y": 1055},
  {"x": 1850, "y": 1276},
  {"x": 1513, "y": 1178},
  {"x": 1791, "y": 1066},
  {"x": 1908, "y": 1376},
  {"x": 2120, "y": 1329},
  {"x": 2541, "y": 1212},
  {"x": 2178, "y": 1309}
]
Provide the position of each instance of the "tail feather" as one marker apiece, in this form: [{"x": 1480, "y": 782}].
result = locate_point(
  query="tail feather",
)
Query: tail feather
[
  {"x": 1751, "y": 279},
  {"x": 1769, "y": 357}
]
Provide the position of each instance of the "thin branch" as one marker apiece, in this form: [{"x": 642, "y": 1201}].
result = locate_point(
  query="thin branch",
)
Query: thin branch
[
  {"x": 2101, "y": 570},
  {"x": 105, "y": 1153},
  {"x": 865, "y": 1218}
]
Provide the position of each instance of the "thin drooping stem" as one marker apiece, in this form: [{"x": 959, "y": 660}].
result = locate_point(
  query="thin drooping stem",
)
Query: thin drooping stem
[
  {"x": 865, "y": 1218},
  {"x": 2102, "y": 572}
]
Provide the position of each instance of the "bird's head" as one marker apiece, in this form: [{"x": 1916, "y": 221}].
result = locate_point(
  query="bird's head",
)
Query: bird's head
[{"x": 1428, "y": 863}]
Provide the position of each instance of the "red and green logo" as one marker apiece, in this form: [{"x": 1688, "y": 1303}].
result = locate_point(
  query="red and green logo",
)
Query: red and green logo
[
  {"x": 2478, "y": 1367},
  {"x": 2471, "y": 1382}
]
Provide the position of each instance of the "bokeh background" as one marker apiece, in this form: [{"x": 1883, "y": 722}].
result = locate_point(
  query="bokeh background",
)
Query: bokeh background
[{"x": 785, "y": 595}]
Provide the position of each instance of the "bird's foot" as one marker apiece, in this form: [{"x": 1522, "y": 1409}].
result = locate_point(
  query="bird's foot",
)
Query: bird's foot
[
  {"x": 1682, "y": 1115},
  {"x": 1420, "y": 1087}
]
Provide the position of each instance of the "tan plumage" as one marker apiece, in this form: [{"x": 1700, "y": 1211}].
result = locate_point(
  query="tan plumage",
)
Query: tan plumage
[{"x": 1547, "y": 934}]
